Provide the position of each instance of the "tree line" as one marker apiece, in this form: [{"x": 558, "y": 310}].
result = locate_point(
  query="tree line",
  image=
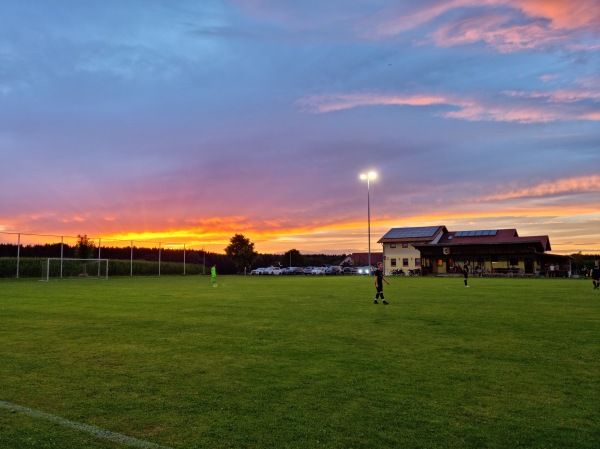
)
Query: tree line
[{"x": 239, "y": 256}]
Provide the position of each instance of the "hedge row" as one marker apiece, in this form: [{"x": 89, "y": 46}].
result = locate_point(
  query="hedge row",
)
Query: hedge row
[{"x": 36, "y": 268}]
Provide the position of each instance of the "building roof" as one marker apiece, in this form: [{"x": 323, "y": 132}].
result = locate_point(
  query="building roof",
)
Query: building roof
[
  {"x": 493, "y": 237},
  {"x": 414, "y": 234},
  {"x": 363, "y": 258},
  {"x": 479, "y": 237}
]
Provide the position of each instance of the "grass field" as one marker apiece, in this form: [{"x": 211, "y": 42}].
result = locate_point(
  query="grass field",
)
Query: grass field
[{"x": 299, "y": 362}]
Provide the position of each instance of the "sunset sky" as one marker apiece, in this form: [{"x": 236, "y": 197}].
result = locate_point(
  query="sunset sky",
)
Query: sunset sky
[{"x": 189, "y": 121}]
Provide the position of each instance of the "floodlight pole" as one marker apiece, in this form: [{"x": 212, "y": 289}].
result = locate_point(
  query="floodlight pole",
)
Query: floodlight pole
[
  {"x": 369, "y": 219},
  {"x": 368, "y": 177}
]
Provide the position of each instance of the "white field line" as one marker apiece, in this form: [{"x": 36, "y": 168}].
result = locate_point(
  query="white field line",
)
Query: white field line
[{"x": 100, "y": 433}]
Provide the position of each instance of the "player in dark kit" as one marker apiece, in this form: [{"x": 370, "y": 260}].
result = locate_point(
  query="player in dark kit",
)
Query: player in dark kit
[
  {"x": 595, "y": 274},
  {"x": 465, "y": 271},
  {"x": 379, "y": 280}
]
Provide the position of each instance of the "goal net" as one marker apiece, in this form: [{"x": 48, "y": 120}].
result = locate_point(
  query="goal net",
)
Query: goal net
[{"x": 56, "y": 268}]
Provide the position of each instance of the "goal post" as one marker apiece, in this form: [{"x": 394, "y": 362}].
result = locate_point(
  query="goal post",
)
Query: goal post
[{"x": 60, "y": 268}]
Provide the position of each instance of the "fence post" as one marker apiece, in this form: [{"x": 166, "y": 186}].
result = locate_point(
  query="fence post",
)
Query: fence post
[
  {"x": 18, "y": 252},
  {"x": 131, "y": 264}
]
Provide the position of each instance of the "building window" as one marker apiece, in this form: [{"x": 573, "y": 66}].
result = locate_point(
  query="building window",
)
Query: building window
[
  {"x": 405, "y": 245},
  {"x": 393, "y": 262},
  {"x": 417, "y": 262},
  {"x": 392, "y": 245},
  {"x": 405, "y": 262}
]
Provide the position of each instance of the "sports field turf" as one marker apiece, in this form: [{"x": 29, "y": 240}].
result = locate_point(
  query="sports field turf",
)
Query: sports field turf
[{"x": 299, "y": 362}]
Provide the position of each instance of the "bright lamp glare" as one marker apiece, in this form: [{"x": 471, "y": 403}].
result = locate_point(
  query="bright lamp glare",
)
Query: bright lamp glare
[{"x": 368, "y": 176}]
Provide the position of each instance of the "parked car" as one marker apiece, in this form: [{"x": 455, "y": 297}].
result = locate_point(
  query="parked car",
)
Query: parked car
[
  {"x": 257, "y": 271},
  {"x": 365, "y": 271},
  {"x": 272, "y": 270},
  {"x": 307, "y": 270},
  {"x": 295, "y": 271},
  {"x": 349, "y": 270},
  {"x": 318, "y": 270},
  {"x": 333, "y": 270}
]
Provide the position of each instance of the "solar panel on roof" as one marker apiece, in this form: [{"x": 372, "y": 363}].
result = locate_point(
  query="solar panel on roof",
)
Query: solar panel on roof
[
  {"x": 475, "y": 233},
  {"x": 400, "y": 233}
]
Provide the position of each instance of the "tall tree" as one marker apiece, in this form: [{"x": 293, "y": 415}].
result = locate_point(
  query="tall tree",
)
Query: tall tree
[
  {"x": 241, "y": 251},
  {"x": 84, "y": 248},
  {"x": 292, "y": 258}
]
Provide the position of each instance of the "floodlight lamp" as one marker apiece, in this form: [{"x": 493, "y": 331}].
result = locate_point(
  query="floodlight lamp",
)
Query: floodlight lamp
[{"x": 368, "y": 176}]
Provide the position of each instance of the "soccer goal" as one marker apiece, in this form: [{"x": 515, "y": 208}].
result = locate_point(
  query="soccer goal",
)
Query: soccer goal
[{"x": 57, "y": 268}]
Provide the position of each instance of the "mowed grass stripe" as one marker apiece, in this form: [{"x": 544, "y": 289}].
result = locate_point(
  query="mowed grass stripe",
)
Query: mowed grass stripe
[{"x": 309, "y": 362}]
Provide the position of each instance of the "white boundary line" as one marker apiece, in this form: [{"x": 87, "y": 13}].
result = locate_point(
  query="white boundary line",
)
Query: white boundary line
[{"x": 95, "y": 431}]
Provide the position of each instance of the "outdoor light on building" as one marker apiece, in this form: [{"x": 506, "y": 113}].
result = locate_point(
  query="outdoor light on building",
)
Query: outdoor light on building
[{"x": 368, "y": 177}]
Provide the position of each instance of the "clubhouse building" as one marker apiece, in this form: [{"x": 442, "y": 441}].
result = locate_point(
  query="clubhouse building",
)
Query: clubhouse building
[{"x": 501, "y": 252}]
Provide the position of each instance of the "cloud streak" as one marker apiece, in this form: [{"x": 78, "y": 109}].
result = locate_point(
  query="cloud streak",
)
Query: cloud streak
[
  {"x": 558, "y": 187},
  {"x": 543, "y": 107}
]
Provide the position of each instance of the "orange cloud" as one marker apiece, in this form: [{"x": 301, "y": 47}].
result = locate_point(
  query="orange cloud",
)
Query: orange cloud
[
  {"x": 563, "y": 14},
  {"x": 542, "y": 22}
]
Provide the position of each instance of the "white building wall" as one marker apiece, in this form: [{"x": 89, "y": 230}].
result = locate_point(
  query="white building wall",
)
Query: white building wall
[{"x": 400, "y": 254}]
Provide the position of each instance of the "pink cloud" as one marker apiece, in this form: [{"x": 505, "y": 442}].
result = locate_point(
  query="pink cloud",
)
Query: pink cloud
[
  {"x": 506, "y": 113},
  {"x": 566, "y": 186},
  {"x": 495, "y": 30},
  {"x": 507, "y": 25},
  {"x": 331, "y": 103},
  {"x": 560, "y": 96},
  {"x": 527, "y": 107}
]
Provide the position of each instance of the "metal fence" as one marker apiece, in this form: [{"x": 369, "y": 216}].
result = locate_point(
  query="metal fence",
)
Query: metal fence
[{"x": 46, "y": 246}]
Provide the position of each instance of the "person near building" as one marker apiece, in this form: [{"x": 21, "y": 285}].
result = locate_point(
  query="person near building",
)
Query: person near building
[
  {"x": 379, "y": 280},
  {"x": 465, "y": 271},
  {"x": 595, "y": 274}
]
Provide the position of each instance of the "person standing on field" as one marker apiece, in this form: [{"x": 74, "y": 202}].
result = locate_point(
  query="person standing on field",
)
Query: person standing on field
[
  {"x": 379, "y": 280},
  {"x": 595, "y": 274},
  {"x": 465, "y": 271},
  {"x": 213, "y": 275}
]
